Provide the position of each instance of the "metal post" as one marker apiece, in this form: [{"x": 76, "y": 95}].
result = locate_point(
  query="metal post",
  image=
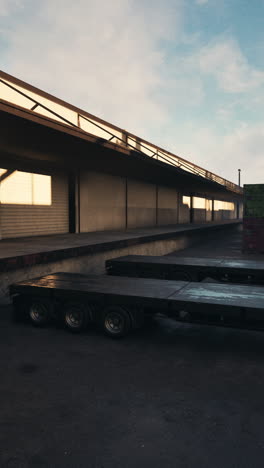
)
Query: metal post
[{"x": 239, "y": 172}]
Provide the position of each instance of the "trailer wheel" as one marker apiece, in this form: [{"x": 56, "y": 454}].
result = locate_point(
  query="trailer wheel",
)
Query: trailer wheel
[
  {"x": 40, "y": 312},
  {"x": 76, "y": 316},
  {"x": 116, "y": 321}
]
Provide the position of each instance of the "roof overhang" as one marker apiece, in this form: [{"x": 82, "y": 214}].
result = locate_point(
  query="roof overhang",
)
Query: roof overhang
[{"x": 31, "y": 141}]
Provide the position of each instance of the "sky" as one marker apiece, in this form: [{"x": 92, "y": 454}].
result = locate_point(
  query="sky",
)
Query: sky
[{"x": 187, "y": 75}]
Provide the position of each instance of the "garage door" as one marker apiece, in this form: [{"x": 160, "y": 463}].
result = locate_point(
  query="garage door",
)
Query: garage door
[{"x": 32, "y": 204}]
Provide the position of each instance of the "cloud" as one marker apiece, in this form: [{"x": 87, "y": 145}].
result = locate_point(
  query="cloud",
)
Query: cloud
[
  {"x": 223, "y": 154},
  {"x": 224, "y": 61},
  {"x": 136, "y": 64},
  {"x": 201, "y": 2},
  {"x": 103, "y": 56},
  {"x": 9, "y": 6}
]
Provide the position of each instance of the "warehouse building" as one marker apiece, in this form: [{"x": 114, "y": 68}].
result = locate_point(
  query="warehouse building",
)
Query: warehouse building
[{"x": 64, "y": 170}]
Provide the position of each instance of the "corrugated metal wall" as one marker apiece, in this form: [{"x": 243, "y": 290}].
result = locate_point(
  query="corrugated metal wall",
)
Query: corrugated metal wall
[
  {"x": 102, "y": 202},
  {"x": 32, "y": 205}
]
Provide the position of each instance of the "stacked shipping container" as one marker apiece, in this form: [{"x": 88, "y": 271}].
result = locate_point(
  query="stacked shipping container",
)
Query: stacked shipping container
[{"x": 253, "y": 221}]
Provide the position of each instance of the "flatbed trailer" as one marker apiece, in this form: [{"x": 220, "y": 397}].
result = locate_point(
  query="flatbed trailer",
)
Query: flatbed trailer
[
  {"x": 120, "y": 304},
  {"x": 188, "y": 268}
]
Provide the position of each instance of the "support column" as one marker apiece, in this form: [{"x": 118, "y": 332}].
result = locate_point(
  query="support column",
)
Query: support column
[
  {"x": 191, "y": 209},
  {"x": 124, "y": 138},
  {"x": 78, "y": 202},
  {"x": 157, "y": 204},
  {"x": 126, "y": 207},
  {"x": 237, "y": 210},
  {"x": 72, "y": 203},
  {"x": 179, "y": 198}
]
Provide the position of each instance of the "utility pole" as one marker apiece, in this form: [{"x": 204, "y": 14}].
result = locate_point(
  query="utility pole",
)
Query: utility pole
[{"x": 239, "y": 171}]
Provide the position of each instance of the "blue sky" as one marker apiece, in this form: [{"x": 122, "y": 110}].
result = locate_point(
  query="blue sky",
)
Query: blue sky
[{"x": 185, "y": 74}]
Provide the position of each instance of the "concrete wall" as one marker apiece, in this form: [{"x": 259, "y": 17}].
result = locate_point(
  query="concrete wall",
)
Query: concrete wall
[
  {"x": 202, "y": 210},
  {"x": 110, "y": 203},
  {"x": 222, "y": 215},
  {"x": 89, "y": 264},
  {"x": 167, "y": 206},
  {"x": 141, "y": 204},
  {"x": 199, "y": 210},
  {"x": 199, "y": 215},
  {"x": 224, "y": 210},
  {"x": 184, "y": 209},
  {"x": 208, "y": 207},
  {"x": 102, "y": 202}
]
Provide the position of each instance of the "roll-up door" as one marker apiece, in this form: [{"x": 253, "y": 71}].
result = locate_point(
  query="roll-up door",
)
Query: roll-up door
[{"x": 33, "y": 204}]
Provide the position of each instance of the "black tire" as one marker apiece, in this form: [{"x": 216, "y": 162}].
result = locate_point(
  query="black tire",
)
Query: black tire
[
  {"x": 39, "y": 312},
  {"x": 116, "y": 322},
  {"x": 76, "y": 316}
]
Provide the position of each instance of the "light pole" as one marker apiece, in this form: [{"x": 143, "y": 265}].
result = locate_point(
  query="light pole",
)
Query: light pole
[{"x": 239, "y": 171}]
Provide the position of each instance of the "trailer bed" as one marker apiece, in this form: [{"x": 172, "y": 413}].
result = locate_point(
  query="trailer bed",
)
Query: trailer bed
[
  {"x": 188, "y": 268},
  {"x": 144, "y": 291},
  {"x": 96, "y": 287}
]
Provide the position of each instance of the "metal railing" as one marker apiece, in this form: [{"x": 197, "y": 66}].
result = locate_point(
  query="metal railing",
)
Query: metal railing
[{"x": 116, "y": 135}]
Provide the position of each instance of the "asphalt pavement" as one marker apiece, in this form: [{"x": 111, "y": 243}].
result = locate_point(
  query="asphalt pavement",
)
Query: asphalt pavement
[{"x": 169, "y": 396}]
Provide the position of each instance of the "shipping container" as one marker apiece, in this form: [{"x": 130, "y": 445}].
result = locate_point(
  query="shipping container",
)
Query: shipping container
[{"x": 253, "y": 220}]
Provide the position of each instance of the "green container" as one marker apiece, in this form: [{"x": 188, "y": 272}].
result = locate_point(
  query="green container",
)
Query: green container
[
  {"x": 254, "y": 189},
  {"x": 254, "y": 201}
]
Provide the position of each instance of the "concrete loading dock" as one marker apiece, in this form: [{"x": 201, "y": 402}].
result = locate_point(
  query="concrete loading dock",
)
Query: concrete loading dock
[{"x": 22, "y": 259}]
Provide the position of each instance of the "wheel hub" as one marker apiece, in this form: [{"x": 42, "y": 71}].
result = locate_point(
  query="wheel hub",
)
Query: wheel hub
[
  {"x": 74, "y": 318},
  {"x": 37, "y": 313},
  {"x": 114, "y": 323}
]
